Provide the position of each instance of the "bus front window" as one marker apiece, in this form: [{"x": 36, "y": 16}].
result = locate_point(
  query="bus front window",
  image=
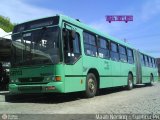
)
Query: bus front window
[{"x": 35, "y": 47}]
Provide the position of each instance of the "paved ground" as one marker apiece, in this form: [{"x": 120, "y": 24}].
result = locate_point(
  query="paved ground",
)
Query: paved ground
[{"x": 141, "y": 100}]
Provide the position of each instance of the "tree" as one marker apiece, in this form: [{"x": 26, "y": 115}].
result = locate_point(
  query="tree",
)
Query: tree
[{"x": 5, "y": 24}]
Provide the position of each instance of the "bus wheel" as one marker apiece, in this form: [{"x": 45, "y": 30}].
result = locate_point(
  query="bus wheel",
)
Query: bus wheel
[
  {"x": 130, "y": 82},
  {"x": 91, "y": 85},
  {"x": 151, "y": 80}
]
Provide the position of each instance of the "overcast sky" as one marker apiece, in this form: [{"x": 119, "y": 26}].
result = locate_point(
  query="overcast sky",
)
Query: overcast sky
[{"x": 143, "y": 32}]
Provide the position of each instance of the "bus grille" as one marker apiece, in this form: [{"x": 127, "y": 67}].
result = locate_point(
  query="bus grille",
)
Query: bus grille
[
  {"x": 32, "y": 79},
  {"x": 29, "y": 88}
]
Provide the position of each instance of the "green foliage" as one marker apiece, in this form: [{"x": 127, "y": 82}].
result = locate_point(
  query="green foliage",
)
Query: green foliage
[{"x": 5, "y": 24}]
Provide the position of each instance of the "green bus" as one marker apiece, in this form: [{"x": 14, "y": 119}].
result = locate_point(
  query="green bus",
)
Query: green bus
[{"x": 60, "y": 54}]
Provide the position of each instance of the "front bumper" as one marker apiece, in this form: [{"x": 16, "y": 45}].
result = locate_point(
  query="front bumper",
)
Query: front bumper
[{"x": 37, "y": 88}]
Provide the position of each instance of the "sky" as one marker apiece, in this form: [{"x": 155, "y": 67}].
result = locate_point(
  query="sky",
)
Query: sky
[{"x": 143, "y": 32}]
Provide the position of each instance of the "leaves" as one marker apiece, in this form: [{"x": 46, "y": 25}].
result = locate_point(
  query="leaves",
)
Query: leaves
[{"x": 5, "y": 24}]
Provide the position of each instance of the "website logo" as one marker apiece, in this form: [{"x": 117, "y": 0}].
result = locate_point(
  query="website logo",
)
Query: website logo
[
  {"x": 4, "y": 116},
  {"x": 119, "y": 18}
]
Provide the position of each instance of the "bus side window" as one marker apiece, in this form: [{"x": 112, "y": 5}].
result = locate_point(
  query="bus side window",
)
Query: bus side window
[
  {"x": 154, "y": 64},
  {"x": 155, "y": 61},
  {"x": 123, "y": 53},
  {"x": 103, "y": 48},
  {"x": 90, "y": 46},
  {"x": 150, "y": 62},
  {"x": 146, "y": 60},
  {"x": 130, "y": 56},
  {"x": 114, "y": 51},
  {"x": 142, "y": 60}
]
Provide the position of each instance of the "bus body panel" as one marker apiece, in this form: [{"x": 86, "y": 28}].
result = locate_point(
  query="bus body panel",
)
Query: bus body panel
[{"x": 74, "y": 80}]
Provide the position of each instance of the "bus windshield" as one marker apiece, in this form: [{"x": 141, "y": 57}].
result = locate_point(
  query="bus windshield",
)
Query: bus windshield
[{"x": 35, "y": 47}]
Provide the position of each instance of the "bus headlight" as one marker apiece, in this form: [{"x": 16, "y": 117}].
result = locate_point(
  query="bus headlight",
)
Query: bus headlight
[
  {"x": 49, "y": 78},
  {"x": 12, "y": 81}
]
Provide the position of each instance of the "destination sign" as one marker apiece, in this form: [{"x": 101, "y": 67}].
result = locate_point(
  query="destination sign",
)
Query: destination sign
[{"x": 36, "y": 24}]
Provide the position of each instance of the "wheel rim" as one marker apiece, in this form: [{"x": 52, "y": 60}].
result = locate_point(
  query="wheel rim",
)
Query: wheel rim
[
  {"x": 130, "y": 83},
  {"x": 91, "y": 85}
]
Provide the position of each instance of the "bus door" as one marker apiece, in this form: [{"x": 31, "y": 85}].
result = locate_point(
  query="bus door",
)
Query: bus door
[
  {"x": 72, "y": 58},
  {"x": 138, "y": 67}
]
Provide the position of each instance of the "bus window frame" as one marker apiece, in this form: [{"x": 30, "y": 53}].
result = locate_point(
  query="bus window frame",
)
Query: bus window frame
[
  {"x": 133, "y": 61},
  {"x": 113, "y": 52},
  {"x": 86, "y": 43},
  {"x": 146, "y": 62},
  {"x": 142, "y": 55},
  {"x": 107, "y": 46},
  {"x": 126, "y": 60},
  {"x": 149, "y": 61}
]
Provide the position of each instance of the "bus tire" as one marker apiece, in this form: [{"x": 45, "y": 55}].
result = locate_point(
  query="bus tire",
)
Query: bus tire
[
  {"x": 91, "y": 86},
  {"x": 130, "y": 82},
  {"x": 151, "y": 80}
]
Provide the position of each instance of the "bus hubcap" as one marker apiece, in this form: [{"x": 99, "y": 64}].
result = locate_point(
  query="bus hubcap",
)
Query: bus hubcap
[
  {"x": 91, "y": 85},
  {"x": 130, "y": 83}
]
